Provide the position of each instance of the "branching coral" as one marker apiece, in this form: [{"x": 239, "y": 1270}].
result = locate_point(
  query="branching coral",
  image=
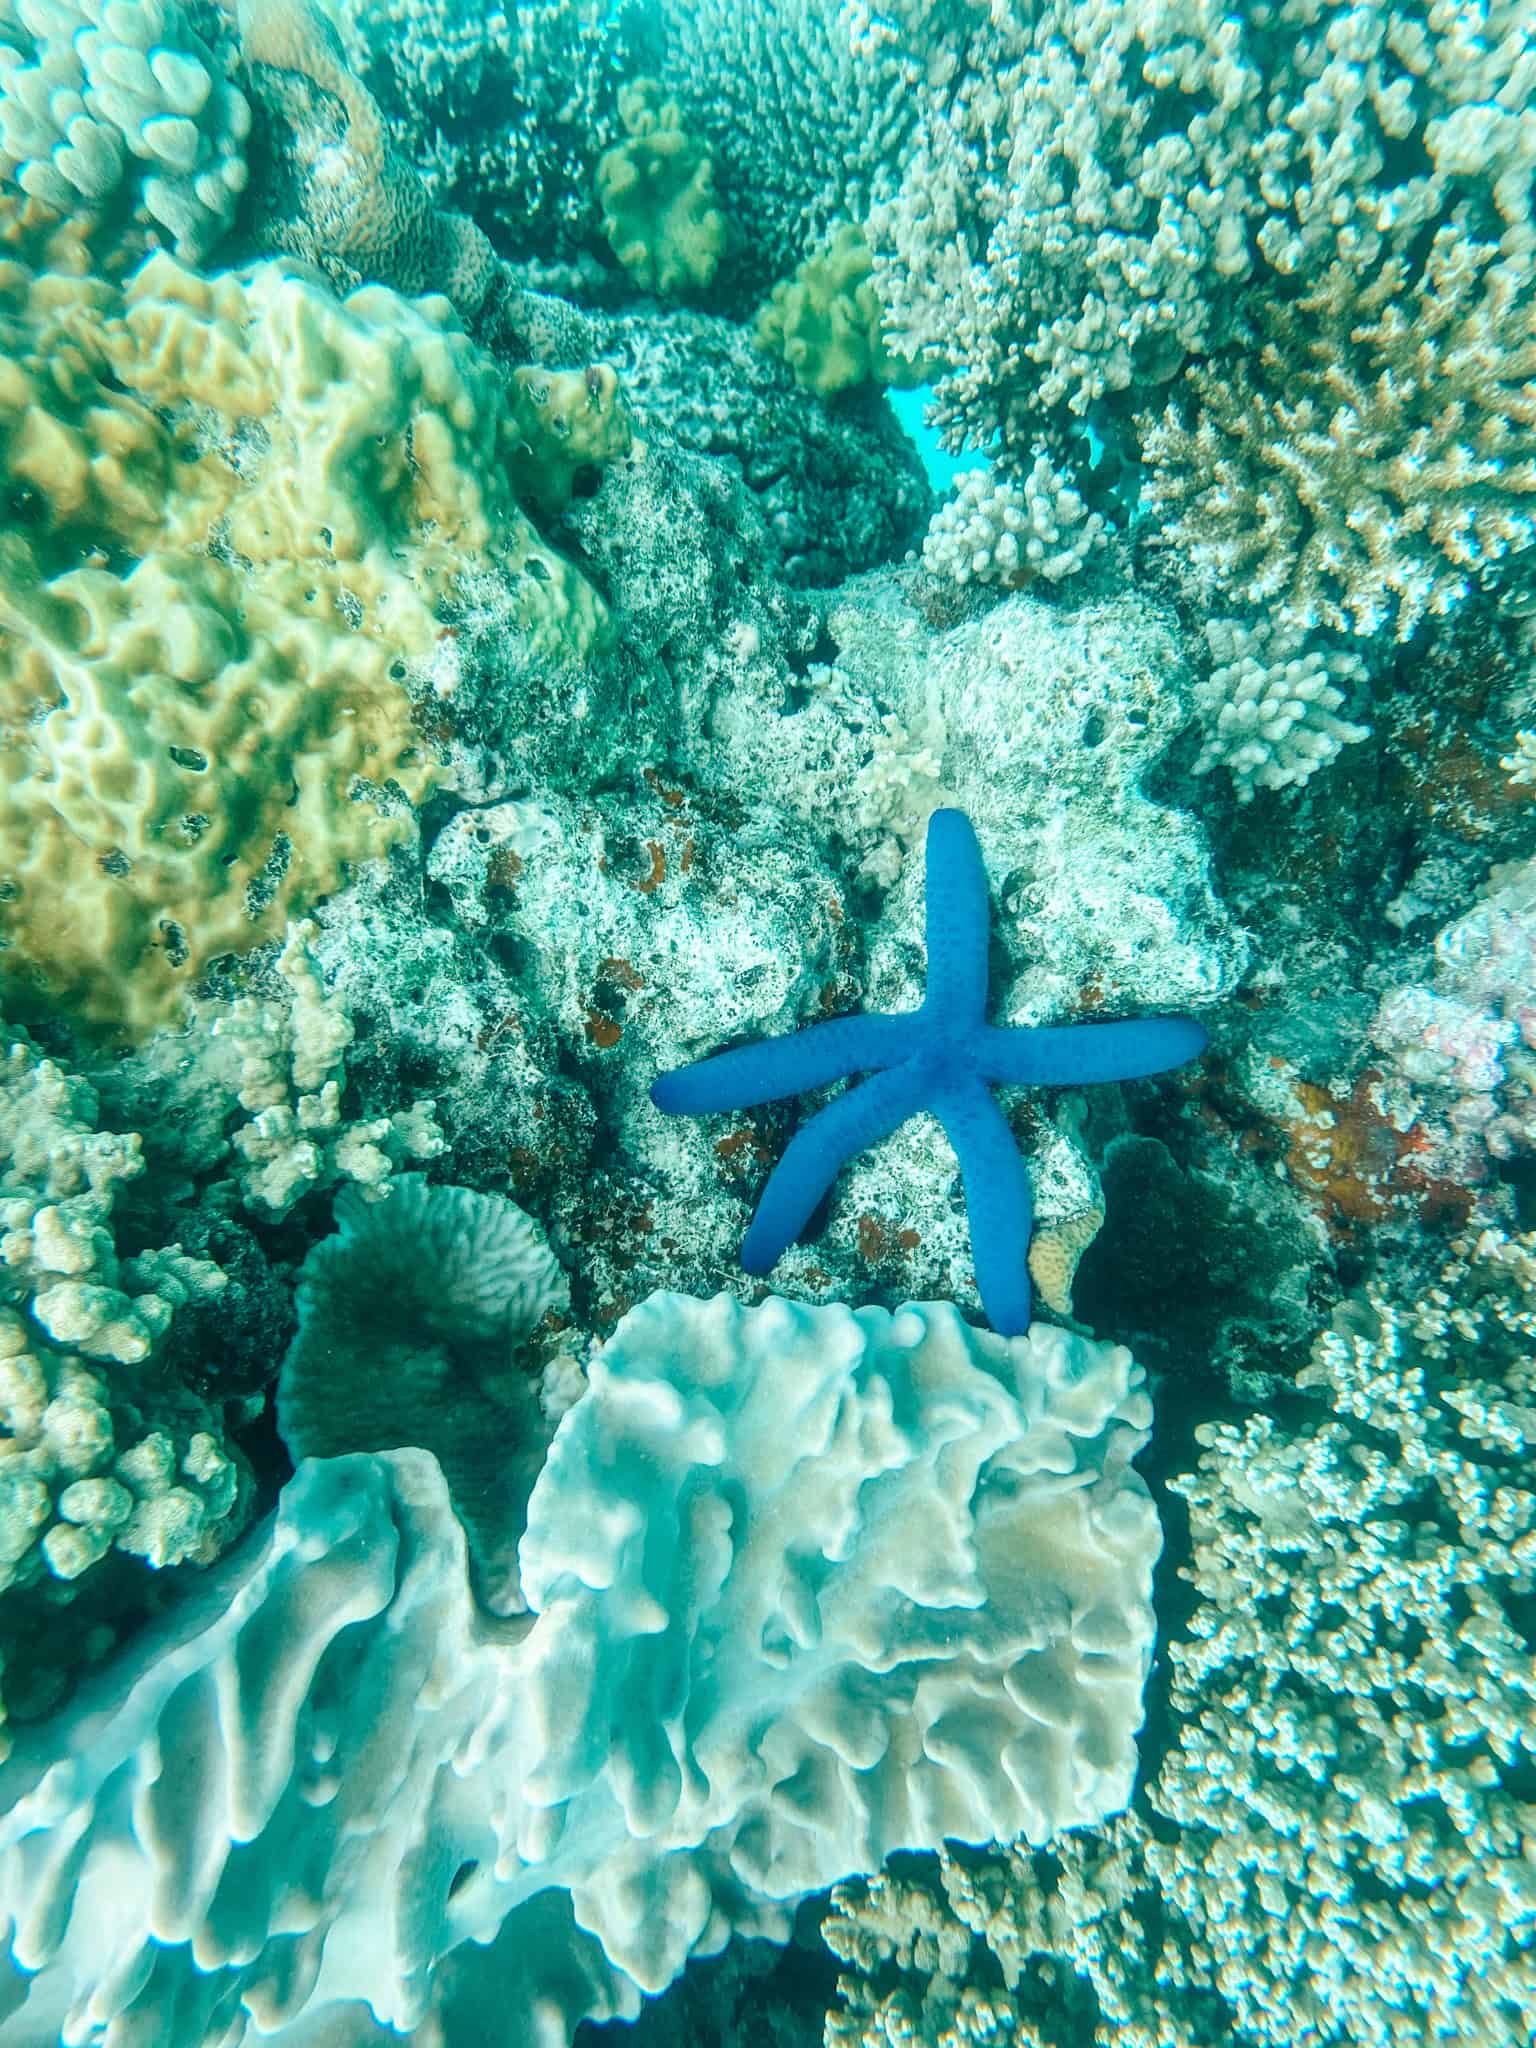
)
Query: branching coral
[
  {"x": 1270, "y": 706},
  {"x": 1012, "y": 529},
  {"x": 1093, "y": 184},
  {"x": 1375, "y": 461},
  {"x": 1340, "y": 1854},
  {"x": 99, "y": 1450}
]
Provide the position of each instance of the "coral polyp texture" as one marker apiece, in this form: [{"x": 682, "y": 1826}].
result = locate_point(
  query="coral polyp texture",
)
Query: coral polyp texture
[
  {"x": 921, "y": 1611},
  {"x": 119, "y": 103},
  {"x": 204, "y": 725},
  {"x": 1333, "y": 1848}
]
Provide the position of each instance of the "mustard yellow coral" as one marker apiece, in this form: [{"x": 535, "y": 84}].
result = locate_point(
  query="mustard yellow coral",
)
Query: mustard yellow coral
[
  {"x": 657, "y": 193},
  {"x": 234, "y": 503}
]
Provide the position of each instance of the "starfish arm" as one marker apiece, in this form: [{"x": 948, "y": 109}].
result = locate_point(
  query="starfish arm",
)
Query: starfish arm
[
  {"x": 776, "y": 1067},
  {"x": 1069, "y": 1055},
  {"x": 997, "y": 1202},
  {"x": 816, "y": 1154},
  {"x": 958, "y": 919}
]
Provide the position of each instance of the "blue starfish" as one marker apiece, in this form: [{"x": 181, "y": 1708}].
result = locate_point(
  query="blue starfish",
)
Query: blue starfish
[{"x": 942, "y": 1057}]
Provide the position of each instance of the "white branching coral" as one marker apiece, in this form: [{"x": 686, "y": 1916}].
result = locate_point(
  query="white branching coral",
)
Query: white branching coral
[
  {"x": 1012, "y": 529},
  {"x": 1341, "y": 1847},
  {"x": 99, "y": 1450},
  {"x": 1318, "y": 215},
  {"x": 1270, "y": 706},
  {"x": 285, "y": 1061}
]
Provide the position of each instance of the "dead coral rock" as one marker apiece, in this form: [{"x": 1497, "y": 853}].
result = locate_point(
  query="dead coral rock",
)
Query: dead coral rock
[{"x": 332, "y": 188}]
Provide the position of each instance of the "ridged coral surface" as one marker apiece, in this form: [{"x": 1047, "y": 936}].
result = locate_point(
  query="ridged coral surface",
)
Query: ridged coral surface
[{"x": 805, "y": 1586}]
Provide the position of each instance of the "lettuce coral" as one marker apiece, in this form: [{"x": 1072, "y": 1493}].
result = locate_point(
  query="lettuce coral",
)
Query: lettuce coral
[
  {"x": 657, "y": 193},
  {"x": 805, "y": 1586},
  {"x": 239, "y": 501}
]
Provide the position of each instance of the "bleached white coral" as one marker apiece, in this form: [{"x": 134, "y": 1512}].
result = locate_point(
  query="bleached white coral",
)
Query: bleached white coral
[
  {"x": 806, "y": 1586},
  {"x": 1270, "y": 706},
  {"x": 1012, "y": 530}
]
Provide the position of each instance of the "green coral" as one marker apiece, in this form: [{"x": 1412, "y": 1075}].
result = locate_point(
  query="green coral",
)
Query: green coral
[
  {"x": 825, "y": 321},
  {"x": 657, "y": 194}
]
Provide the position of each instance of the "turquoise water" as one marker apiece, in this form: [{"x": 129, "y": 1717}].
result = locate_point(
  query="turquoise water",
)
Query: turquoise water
[{"x": 978, "y": 560}]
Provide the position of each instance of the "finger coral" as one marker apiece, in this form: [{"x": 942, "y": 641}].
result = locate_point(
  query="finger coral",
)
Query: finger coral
[
  {"x": 204, "y": 725},
  {"x": 109, "y": 99},
  {"x": 100, "y": 1451}
]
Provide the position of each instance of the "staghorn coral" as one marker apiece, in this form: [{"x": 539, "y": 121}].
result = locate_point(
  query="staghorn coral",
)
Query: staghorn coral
[
  {"x": 1270, "y": 706},
  {"x": 201, "y": 740},
  {"x": 101, "y": 1451},
  {"x": 656, "y": 189},
  {"x": 1374, "y": 461},
  {"x": 755, "y": 1656},
  {"x": 113, "y": 103},
  {"x": 1321, "y": 211},
  {"x": 1340, "y": 1854}
]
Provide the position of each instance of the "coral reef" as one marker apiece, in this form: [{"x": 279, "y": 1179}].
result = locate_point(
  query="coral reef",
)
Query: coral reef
[
  {"x": 656, "y": 189},
  {"x": 805, "y": 110},
  {"x": 101, "y": 1449},
  {"x": 1310, "y": 226},
  {"x": 118, "y": 107},
  {"x": 839, "y": 1649},
  {"x": 1460, "y": 1050},
  {"x": 825, "y": 321},
  {"x": 1338, "y": 1851},
  {"x": 1270, "y": 706},
  {"x": 425, "y": 1298},
  {"x": 295, "y": 481},
  {"x": 1011, "y": 530}
]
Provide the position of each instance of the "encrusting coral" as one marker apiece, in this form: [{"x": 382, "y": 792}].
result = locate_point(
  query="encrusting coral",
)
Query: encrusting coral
[
  {"x": 273, "y": 489},
  {"x": 1340, "y": 1848},
  {"x": 804, "y": 1586}
]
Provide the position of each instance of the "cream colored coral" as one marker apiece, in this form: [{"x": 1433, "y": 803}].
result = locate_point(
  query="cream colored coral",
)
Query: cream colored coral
[
  {"x": 1270, "y": 706},
  {"x": 1011, "y": 529},
  {"x": 199, "y": 743},
  {"x": 285, "y": 1062}
]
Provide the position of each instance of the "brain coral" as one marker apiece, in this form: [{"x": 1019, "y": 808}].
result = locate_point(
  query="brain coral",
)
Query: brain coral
[
  {"x": 412, "y": 1316},
  {"x": 806, "y": 1586},
  {"x": 234, "y": 505}
]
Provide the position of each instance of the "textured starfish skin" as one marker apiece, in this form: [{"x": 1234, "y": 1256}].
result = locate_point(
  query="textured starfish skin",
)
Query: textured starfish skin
[{"x": 942, "y": 1057}]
